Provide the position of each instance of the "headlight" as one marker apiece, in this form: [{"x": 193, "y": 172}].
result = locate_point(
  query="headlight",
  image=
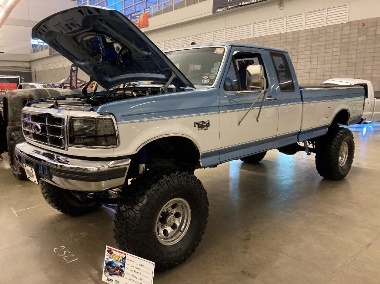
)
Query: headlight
[{"x": 91, "y": 131}]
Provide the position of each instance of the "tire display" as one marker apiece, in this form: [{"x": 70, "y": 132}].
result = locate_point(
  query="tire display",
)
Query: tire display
[
  {"x": 17, "y": 170},
  {"x": 335, "y": 153},
  {"x": 162, "y": 217},
  {"x": 72, "y": 203}
]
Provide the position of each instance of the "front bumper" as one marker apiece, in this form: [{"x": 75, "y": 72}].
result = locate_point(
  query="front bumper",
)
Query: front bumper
[{"x": 73, "y": 174}]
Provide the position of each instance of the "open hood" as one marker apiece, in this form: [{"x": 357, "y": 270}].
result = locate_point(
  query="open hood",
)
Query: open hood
[{"x": 108, "y": 47}]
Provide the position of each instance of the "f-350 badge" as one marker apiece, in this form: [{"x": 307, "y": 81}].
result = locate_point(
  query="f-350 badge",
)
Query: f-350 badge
[{"x": 202, "y": 125}]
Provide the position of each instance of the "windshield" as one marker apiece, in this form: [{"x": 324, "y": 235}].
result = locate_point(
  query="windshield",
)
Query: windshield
[{"x": 199, "y": 65}]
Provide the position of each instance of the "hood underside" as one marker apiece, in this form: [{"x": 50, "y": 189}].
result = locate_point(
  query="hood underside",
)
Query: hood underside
[{"x": 108, "y": 47}]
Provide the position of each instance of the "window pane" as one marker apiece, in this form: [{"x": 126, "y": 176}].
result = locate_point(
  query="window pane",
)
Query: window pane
[
  {"x": 284, "y": 77},
  {"x": 200, "y": 66}
]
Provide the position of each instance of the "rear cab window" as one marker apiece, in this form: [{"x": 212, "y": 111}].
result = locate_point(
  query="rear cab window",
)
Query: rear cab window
[{"x": 284, "y": 77}]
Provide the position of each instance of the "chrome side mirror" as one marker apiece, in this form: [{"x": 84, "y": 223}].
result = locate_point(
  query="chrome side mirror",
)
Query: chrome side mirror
[{"x": 255, "y": 77}]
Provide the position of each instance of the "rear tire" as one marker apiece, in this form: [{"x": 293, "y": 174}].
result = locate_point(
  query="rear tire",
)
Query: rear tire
[
  {"x": 72, "y": 203},
  {"x": 255, "y": 158},
  {"x": 335, "y": 153},
  {"x": 162, "y": 217},
  {"x": 17, "y": 170}
]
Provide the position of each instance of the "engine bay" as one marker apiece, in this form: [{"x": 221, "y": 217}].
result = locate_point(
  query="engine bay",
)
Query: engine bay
[{"x": 89, "y": 98}]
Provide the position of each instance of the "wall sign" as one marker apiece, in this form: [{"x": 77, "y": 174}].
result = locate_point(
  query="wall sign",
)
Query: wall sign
[{"x": 224, "y": 5}]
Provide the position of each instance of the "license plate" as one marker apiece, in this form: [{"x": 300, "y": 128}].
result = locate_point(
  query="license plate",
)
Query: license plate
[{"x": 31, "y": 173}]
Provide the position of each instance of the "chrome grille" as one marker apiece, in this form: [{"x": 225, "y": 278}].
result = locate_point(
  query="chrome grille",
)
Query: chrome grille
[{"x": 45, "y": 129}]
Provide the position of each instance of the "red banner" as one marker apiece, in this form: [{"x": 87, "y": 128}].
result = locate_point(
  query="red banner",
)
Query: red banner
[{"x": 8, "y": 86}]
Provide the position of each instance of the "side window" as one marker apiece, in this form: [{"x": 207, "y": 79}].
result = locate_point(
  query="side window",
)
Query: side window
[
  {"x": 237, "y": 75},
  {"x": 285, "y": 79}
]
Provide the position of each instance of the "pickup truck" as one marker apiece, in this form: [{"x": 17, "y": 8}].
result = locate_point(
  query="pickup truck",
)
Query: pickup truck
[
  {"x": 137, "y": 142},
  {"x": 371, "y": 107}
]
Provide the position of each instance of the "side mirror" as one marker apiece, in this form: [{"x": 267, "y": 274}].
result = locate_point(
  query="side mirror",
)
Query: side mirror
[{"x": 255, "y": 77}]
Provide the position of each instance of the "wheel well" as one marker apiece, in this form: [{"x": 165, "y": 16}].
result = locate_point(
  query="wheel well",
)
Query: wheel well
[
  {"x": 167, "y": 152},
  {"x": 342, "y": 117}
]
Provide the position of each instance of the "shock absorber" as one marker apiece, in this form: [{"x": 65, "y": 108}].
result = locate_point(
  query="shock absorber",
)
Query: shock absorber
[{"x": 142, "y": 160}]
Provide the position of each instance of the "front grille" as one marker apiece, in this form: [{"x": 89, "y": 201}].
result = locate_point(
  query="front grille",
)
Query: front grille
[{"x": 45, "y": 129}]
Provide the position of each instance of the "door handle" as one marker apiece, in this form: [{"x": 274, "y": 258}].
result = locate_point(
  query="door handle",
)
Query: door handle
[{"x": 271, "y": 99}]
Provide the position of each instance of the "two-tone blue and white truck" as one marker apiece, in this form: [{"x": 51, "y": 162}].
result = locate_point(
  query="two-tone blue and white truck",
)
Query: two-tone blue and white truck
[{"x": 137, "y": 141}]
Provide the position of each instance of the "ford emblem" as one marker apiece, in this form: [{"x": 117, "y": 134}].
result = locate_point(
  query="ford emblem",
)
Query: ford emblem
[{"x": 36, "y": 128}]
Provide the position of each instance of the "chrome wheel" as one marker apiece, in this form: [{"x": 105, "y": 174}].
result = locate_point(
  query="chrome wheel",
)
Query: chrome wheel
[
  {"x": 173, "y": 221},
  {"x": 343, "y": 154}
]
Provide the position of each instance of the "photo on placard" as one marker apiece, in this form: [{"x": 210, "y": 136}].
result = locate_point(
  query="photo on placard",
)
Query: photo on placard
[{"x": 114, "y": 266}]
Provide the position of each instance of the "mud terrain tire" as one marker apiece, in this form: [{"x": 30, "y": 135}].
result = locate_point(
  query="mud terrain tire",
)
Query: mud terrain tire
[
  {"x": 17, "y": 170},
  {"x": 335, "y": 153},
  {"x": 162, "y": 217}
]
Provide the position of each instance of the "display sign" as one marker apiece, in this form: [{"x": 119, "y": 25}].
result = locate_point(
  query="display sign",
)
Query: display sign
[
  {"x": 9, "y": 82},
  {"x": 224, "y": 5},
  {"x": 124, "y": 268}
]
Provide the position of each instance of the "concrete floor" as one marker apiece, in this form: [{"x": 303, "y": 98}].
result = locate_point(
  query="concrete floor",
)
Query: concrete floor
[{"x": 276, "y": 222}]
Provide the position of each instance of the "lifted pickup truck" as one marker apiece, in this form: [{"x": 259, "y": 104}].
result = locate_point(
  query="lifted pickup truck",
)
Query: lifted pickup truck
[{"x": 160, "y": 117}]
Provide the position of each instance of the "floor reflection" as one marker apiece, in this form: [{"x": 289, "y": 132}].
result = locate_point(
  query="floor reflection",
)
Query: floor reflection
[
  {"x": 234, "y": 180},
  {"x": 285, "y": 171}
]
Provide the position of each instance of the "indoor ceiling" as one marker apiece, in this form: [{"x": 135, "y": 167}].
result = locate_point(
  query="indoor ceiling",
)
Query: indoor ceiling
[{"x": 15, "y": 32}]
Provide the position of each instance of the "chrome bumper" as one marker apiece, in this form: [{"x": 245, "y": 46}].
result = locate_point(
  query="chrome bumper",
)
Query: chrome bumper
[{"x": 73, "y": 174}]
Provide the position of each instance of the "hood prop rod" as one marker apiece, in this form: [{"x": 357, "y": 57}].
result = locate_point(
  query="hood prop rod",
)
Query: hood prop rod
[{"x": 164, "y": 88}]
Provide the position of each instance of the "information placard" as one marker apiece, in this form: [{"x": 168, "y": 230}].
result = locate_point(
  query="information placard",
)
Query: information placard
[{"x": 124, "y": 268}]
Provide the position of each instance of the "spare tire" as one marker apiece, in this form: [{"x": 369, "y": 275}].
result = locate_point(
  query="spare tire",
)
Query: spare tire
[
  {"x": 17, "y": 99},
  {"x": 17, "y": 170}
]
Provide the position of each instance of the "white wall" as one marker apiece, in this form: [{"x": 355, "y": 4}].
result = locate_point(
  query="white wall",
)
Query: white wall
[
  {"x": 197, "y": 19},
  {"x": 177, "y": 27}
]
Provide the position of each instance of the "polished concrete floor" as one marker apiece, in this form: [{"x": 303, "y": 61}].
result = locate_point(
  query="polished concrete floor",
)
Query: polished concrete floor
[{"x": 276, "y": 222}]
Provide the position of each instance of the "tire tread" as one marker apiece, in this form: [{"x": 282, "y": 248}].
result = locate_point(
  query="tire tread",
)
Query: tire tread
[{"x": 328, "y": 152}]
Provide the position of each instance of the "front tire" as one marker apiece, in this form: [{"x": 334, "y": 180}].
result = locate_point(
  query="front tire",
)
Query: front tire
[
  {"x": 72, "y": 203},
  {"x": 162, "y": 217},
  {"x": 17, "y": 170},
  {"x": 335, "y": 154},
  {"x": 255, "y": 158}
]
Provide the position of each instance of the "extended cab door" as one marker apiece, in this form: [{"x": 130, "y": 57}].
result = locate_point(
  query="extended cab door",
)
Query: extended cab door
[
  {"x": 251, "y": 135},
  {"x": 288, "y": 97}
]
